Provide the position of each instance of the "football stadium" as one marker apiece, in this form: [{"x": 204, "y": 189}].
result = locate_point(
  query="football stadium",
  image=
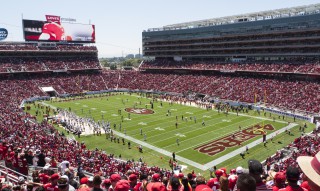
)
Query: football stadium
[{"x": 229, "y": 103}]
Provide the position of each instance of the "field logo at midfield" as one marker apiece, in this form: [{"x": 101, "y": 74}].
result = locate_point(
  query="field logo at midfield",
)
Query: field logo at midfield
[
  {"x": 232, "y": 140},
  {"x": 139, "y": 111}
]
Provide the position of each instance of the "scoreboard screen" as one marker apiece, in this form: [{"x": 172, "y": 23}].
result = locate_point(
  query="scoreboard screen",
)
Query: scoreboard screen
[{"x": 34, "y": 30}]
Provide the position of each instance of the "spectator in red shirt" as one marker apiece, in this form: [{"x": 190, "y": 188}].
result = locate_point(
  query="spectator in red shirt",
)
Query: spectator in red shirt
[
  {"x": 44, "y": 177},
  {"x": 53, "y": 186},
  {"x": 3, "y": 150},
  {"x": 279, "y": 181},
  {"x": 133, "y": 180},
  {"x": 201, "y": 184},
  {"x": 114, "y": 179},
  {"x": 122, "y": 185},
  {"x": 213, "y": 183},
  {"x": 23, "y": 165},
  {"x": 106, "y": 184},
  {"x": 53, "y": 162},
  {"x": 293, "y": 176}
]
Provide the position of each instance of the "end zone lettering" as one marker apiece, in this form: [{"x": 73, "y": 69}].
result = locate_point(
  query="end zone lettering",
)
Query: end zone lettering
[{"x": 228, "y": 141}]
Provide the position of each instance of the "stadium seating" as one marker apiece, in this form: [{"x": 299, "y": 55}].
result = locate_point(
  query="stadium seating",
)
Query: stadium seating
[
  {"x": 303, "y": 146},
  {"x": 268, "y": 66},
  {"x": 21, "y": 133},
  {"x": 29, "y": 57}
]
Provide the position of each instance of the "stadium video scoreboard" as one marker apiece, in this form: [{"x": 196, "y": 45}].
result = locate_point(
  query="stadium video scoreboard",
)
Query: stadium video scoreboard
[{"x": 54, "y": 30}]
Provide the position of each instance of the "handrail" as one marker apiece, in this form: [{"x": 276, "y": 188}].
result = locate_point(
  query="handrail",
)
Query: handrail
[
  {"x": 10, "y": 174},
  {"x": 40, "y": 168}
]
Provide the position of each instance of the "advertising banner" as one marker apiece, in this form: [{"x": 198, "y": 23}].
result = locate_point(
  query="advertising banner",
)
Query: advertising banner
[{"x": 3, "y": 33}]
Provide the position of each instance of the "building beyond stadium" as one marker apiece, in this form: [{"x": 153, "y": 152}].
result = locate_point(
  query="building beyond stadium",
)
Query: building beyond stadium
[{"x": 268, "y": 35}]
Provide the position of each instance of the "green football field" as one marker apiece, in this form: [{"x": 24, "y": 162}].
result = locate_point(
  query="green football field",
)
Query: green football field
[{"x": 166, "y": 125}]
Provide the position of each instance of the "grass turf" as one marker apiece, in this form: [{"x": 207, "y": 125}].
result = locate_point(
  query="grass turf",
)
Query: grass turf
[{"x": 161, "y": 131}]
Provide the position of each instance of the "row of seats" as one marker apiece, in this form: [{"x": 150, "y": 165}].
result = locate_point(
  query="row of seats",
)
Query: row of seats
[
  {"x": 34, "y": 64},
  {"x": 267, "y": 66},
  {"x": 293, "y": 95},
  {"x": 36, "y": 47}
]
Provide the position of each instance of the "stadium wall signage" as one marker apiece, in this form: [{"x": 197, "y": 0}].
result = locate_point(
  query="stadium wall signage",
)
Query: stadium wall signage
[
  {"x": 232, "y": 140},
  {"x": 53, "y": 18},
  {"x": 3, "y": 33}
]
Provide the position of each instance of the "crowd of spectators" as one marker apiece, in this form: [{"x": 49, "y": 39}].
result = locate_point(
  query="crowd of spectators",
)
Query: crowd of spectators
[
  {"x": 45, "y": 46},
  {"x": 23, "y": 138},
  {"x": 35, "y": 64},
  {"x": 253, "y": 66},
  {"x": 30, "y": 57},
  {"x": 17, "y": 47},
  {"x": 306, "y": 145},
  {"x": 293, "y": 95},
  {"x": 284, "y": 94},
  {"x": 25, "y": 142}
]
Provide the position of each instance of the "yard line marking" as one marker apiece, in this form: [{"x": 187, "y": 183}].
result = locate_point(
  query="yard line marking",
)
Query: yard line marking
[
  {"x": 172, "y": 124},
  {"x": 180, "y": 135},
  {"x": 197, "y": 129},
  {"x": 162, "y": 151},
  {"x": 159, "y": 128}
]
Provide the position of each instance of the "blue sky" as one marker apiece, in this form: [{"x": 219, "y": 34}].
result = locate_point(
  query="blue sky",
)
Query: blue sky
[{"x": 119, "y": 23}]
